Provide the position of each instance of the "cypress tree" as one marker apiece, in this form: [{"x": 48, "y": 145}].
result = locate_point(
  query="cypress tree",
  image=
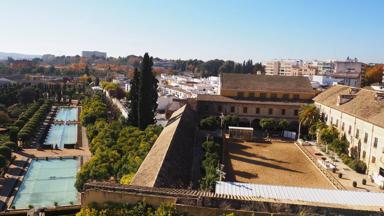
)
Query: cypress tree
[
  {"x": 147, "y": 94},
  {"x": 133, "y": 97}
]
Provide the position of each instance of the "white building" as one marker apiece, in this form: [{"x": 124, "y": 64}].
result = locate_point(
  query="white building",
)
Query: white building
[
  {"x": 323, "y": 67},
  {"x": 359, "y": 115},
  {"x": 184, "y": 87}
]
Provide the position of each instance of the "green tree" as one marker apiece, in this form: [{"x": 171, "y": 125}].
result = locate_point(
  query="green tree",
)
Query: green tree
[
  {"x": 27, "y": 95},
  {"x": 4, "y": 118},
  {"x": 3, "y": 162},
  {"x": 133, "y": 97},
  {"x": 267, "y": 124},
  {"x": 209, "y": 123},
  {"x": 283, "y": 124},
  {"x": 6, "y": 152},
  {"x": 147, "y": 103},
  {"x": 309, "y": 115}
]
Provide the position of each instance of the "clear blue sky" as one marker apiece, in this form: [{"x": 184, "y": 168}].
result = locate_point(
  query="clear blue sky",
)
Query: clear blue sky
[{"x": 204, "y": 29}]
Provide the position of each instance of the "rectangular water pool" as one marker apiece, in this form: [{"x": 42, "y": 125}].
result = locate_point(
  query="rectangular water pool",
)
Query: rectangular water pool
[
  {"x": 67, "y": 114},
  {"x": 60, "y": 135},
  {"x": 47, "y": 182}
]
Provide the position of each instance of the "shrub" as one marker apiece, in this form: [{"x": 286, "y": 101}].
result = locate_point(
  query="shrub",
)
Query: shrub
[
  {"x": 6, "y": 152},
  {"x": 231, "y": 120},
  {"x": 55, "y": 203},
  {"x": 12, "y": 145},
  {"x": 210, "y": 123},
  {"x": 30, "y": 206},
  {"x": 364, "y": 182},
  {"x": 209, "y": 165}
]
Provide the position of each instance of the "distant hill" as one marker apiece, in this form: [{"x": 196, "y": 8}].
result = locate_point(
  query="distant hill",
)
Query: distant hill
[{"x": 17, "y": 56}]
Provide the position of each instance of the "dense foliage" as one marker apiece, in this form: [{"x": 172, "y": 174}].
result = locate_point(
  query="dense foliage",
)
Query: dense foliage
[
  {"x": 93, "y": 108},
  {"x": 210, "y": 123},
  {"x": 139, "y": 209},
  {"x": 25, "y": 116},
  {"x": 330, "y": 137},
  {"x": 113, "y": 89},
  {"x": 373, "y": 74},
  {"x": 8, "y": 94},
  {"x": 118, "y": 151},
  {"x": 30, "y": 128},
  {"x": 210, "y": 165},
  {"x": 6, "y": 154},
  {"x": 133, "y": 97},
  {"x": 216, "y": 66}
]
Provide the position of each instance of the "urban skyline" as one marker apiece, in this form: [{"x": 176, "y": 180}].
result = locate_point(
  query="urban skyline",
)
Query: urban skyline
[{"x": 229, "y": 30}]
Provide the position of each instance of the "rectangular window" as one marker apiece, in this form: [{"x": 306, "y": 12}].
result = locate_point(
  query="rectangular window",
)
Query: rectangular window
[
  {"x": 365, "y": 137},
  {"x": 373, "y": 159},
  {"x": 337, "y": 123},
  {"x": 285, "y": 96},
  {"x": 270, "y": 111},
  {"x": 349, "y": 129},
  {"x": 232, "y": 109},
  {"x": 375, "y": 142},
  {"x": 252, "y": 95},
  {"x": 364, "y": 153},
  {"x": 296, "y": 96},
  {"x": 296, "y": 112},
  {"x": 273, "y": 95},
  {"x": 219, "y": 108},
  {"x": 342, "y": 126},
  {"x": 257, "y": 110},
  {"x": 263, "y": 95},
  {"x": 240, "y": 94},
  {"x": 357, "y": 134},
  {"x": 245, "y": 109},
  {"x": 282, "y": 111}
]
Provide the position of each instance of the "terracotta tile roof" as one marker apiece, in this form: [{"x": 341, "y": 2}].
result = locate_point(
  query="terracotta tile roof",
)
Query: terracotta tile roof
[
  {"x": 364, "y": 104},
  {"x": 266, "y": 83}
]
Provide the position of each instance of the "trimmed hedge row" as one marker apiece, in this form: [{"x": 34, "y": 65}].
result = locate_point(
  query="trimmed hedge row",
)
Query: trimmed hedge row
[
  {"x": 30, "y": 127},
  {"x": 25, "y": 116},
  {"x": 210, "y": 165}
]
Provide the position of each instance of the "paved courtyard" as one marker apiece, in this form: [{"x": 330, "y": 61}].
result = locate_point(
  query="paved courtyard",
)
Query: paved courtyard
[{"x": 277, "y": 163}]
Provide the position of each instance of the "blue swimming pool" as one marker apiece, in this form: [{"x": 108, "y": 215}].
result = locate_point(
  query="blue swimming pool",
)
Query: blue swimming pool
[
  {"x": 47, "y": 182},
  {"x": 61, "y": 135},
  {"x": 67, "y": 114}
]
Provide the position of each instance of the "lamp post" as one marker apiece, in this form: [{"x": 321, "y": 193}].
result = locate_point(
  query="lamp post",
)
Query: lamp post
[{"x": 298, "y": 134}]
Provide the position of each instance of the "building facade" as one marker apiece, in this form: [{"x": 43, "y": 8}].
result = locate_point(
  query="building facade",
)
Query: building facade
[
  {"x": 94, "y": 54},
  {"x": 254, "y": 97},
  {"x": 359, "y": 115}
]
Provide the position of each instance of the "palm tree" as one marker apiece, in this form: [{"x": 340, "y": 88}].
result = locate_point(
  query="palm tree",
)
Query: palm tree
[{"x": 308, "y": 115}]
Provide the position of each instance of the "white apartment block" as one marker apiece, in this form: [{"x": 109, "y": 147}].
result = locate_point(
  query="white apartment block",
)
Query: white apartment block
[{"x": 359, "y": 115}]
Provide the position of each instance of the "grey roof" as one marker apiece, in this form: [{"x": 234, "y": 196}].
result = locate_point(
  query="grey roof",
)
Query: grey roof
[{"x": 340, "y": 198}]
